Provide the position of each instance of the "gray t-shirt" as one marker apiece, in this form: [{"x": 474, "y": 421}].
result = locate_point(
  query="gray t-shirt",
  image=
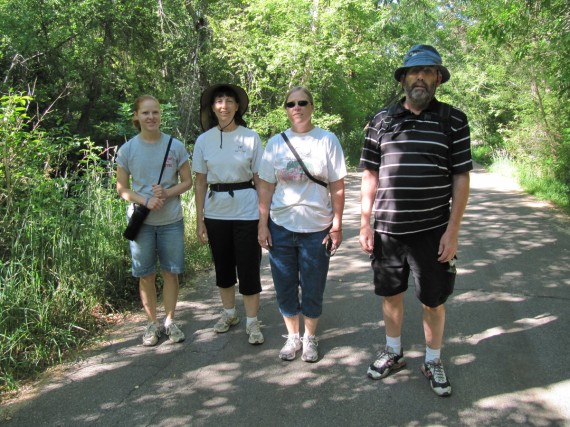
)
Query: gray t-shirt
[{"x": 143, "y": 161}]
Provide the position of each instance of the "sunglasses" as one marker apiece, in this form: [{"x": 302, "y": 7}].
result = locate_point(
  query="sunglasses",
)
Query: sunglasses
[
  {"x": 329, "y": 251},
  {"x": 291, "y": 104}
]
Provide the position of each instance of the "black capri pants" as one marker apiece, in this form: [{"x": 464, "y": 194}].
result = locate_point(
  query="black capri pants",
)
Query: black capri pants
[{"x": 236, "y": 253}]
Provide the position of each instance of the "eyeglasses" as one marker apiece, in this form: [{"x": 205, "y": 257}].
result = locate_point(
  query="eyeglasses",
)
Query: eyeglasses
[{"x": 291, "y": 104}]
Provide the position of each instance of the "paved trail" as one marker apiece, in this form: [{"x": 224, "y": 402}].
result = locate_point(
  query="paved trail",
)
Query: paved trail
[{"x": 506, "y": 349}]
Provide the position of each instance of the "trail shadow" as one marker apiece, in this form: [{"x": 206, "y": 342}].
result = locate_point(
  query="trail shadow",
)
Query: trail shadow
[{"x": 506, "y": 348}]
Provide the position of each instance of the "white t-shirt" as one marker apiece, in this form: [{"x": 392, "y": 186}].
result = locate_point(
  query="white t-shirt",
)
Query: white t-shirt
[
  {"x": 143, "y": 161},
  {"x": 300, "y": 204},
  {"x": 229, "y": 157}
]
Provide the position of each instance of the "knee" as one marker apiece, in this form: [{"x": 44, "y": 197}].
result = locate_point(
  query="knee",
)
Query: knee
[{"x": 434, "y": 311}]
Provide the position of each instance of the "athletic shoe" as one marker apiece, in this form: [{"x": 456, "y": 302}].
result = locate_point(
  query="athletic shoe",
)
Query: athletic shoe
[
  {"x": 291, "y": 347},
  {"x": 437, "y": 379},
  {"x": 386, "y": 362},
  {"x": 310, "y": 351},
  {"x": 223, "y": 325},
  {"x": 174, "y": 333},
  {"x": 254, "y": 332},
  {"x": 151, "y": 335}
]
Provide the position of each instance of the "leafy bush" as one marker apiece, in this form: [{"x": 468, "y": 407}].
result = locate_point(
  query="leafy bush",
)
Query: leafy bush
[{"x": 64, "y": 264}]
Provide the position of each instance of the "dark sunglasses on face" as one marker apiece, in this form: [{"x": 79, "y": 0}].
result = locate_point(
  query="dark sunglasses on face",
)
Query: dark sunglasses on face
[{"x": 291, "y": 104}]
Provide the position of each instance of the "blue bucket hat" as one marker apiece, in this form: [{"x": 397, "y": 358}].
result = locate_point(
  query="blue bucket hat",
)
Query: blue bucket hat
[{"x": 422, "y": 55}]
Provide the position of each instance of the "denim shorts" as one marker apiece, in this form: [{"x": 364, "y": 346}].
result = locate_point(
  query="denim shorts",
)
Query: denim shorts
[
  {"x": 298, "y": 260},
  {"x": 394, "y": 258},
  {"x": 163, "y": 241}
]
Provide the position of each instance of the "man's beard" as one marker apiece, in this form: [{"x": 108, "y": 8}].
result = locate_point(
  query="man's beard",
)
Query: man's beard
[{"x": 419, "y": 98}]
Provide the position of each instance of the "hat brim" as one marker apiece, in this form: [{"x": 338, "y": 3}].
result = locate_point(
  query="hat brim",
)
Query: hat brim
[
  {"x": 445, "y": 74},
  {"x": 206, "y": 103}
]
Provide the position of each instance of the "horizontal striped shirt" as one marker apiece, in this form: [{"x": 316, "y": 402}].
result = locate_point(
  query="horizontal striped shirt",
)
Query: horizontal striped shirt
[{"x": 415, "y": 156}]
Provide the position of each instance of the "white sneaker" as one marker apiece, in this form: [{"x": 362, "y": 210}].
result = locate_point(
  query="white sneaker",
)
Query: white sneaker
[
  {"x": 310, "y": 351},
  {"x": 151, "y": 335},
  {"x": 223, "y": 325},
  {"x": 291, "y": 347},
  {"x": 254, "y": 332},
  {"x": 174, "y": 333}
]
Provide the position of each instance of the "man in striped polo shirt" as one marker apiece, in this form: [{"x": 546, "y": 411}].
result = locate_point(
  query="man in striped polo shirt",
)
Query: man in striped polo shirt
[{"x": 416, "y": 160}]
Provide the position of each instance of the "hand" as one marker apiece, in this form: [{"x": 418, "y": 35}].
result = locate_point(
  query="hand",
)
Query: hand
[
  {"x": 366, "y": 239},
  {"x": 264, "y": 237},
  {"x": 159, "y": 191},
  {"x": 155, "y": 203},
  {"x": 447, "y": 246},
  {"x": 336, "y": 237},
  {"x": 201, "y": 231}
]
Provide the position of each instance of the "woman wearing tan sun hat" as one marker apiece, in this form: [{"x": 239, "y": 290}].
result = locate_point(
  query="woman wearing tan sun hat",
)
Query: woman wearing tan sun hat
[{"x": 225, "y": 160}]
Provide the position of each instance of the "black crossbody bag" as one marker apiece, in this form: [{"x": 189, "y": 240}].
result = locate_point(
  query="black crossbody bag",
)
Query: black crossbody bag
[
  {"x": 140, "y": 212},
  {"x": 311, "y": 177}
]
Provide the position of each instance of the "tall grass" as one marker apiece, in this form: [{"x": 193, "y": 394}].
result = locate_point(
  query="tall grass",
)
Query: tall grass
[{"x": 65, "y": 265}]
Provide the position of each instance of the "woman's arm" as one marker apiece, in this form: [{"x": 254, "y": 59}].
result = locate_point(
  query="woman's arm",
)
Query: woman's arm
[
  {"x": 200, "y": 189},
  {"x": 265, "y": 192},
  {"x": 124, "y": 188},
  {"x": 337, "y": 202}
]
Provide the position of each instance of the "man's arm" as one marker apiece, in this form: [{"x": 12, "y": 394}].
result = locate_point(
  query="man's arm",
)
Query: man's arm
[
  {"x": 459, "y": 197},
  {"x": 367, "y": 196}
]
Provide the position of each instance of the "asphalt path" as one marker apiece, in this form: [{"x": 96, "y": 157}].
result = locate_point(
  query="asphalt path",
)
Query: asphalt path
[{"x": 506, "y": 347}]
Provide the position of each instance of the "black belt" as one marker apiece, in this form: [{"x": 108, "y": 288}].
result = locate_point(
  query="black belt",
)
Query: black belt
[{"x": 230, "y": 187}]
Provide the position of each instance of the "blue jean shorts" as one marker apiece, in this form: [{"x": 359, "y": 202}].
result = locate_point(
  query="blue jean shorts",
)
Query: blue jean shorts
[
  {"x": 298, "y": 261},
  {"x": 165, "y": 242}
]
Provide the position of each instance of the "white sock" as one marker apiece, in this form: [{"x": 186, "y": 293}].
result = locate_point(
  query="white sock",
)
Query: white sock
[
  {"x": 167, "y": 323},
  {"x": 432, "y": 354},
  {"x": 295, "y": 335},
  {"x": 250, "y": 320},
  {"x": 230, "y": 311},
  {"x": 395, "y": 343}
]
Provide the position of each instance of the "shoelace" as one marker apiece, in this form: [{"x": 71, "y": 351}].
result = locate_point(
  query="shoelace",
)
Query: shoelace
[
  {"x": 290, "y": 340},
  {"x": 437, "y": 372},
  {"x": 313, "y": 341},
  {"x": 386, "y": 356}
]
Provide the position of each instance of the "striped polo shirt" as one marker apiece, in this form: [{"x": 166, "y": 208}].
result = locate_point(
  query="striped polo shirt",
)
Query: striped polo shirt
[{"x": 415, "y": 164}]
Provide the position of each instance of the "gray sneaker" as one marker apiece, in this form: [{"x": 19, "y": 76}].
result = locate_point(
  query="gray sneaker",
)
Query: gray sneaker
[
  {"x": 223, "y": 325},
  {"x": 254, "y": 332},
  {"x": 291, "y": 347},
  {"x": 174, "y": 333},
  {"x": 310, "y": 351},
  {"x": 438, "y": 381},
  {"x": 151, "y": 335},
  {"x": 386, "y": 362}
]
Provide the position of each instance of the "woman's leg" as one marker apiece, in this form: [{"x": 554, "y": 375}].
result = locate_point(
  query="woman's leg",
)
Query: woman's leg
[{"x": 147, "y": 291}]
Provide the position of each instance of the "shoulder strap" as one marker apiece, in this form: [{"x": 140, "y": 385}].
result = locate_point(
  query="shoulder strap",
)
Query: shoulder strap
[
  {"x": 311, "y": 177},
  {"x": 164, "y": 161}
]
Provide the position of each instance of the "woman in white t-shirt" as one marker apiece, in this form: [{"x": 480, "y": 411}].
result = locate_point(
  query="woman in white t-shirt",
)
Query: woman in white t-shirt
[
  {"x": 300, "y": 220},
  {"x": 226, "y": 159}
]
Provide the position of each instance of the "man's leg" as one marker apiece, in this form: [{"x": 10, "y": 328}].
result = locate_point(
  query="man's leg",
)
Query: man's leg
[
  {"x": 391, "y": 358},
  {"x": 434, "y": 324}
]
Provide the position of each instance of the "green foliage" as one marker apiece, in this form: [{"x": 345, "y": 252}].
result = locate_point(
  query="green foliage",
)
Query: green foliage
[
  {"x": 85, "y": 63},
  {"x": 64, "y": 264}
]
